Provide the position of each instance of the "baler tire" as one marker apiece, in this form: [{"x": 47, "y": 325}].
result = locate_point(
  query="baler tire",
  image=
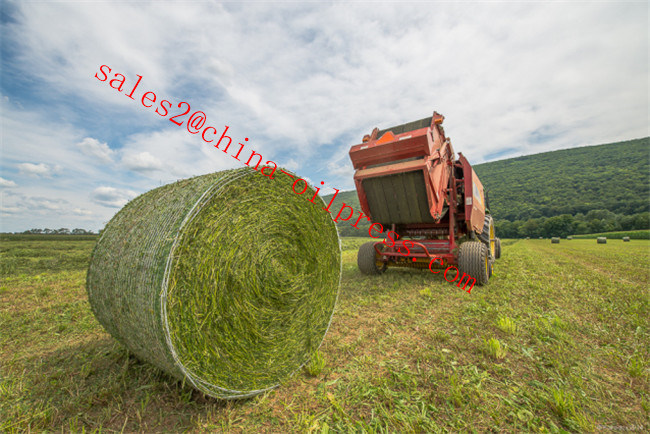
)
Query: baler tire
[
  {"x": 497, "y": 250},
  {"x": 473, "y": 260},
  {"x": 485, "y": 235},
  {"x": 488, "y": 236},
  {"x": 367, "y": 260}
]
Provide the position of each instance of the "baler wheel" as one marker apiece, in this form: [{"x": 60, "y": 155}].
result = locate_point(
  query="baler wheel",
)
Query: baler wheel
[
  {"x": 485, "y": 235},
  {"x": 497, "y": 250},
  {"x": 488, "y": 236},
  {"x": 474, "y": 259},
  {"x": 367, "y": 260}
]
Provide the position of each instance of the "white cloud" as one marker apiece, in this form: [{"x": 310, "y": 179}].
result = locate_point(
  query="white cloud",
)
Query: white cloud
[
  {"x": 339, "y": 166},
  {"x": 112, "y": 197},
  {"x": 12, "y": 209},
  {"x": 141, "y": 162},
  {"x": 18, "y": 203},
  {"x": 92, "y": 147},
  {"x": 169, "y": 155},
  {"x": 6, "y": 183},
  {"x": 37, "y": 170},
  {"x": 290, "y": 164},
  {"x": 82, "y": 212},
  {"x": 41, "y": 207}
]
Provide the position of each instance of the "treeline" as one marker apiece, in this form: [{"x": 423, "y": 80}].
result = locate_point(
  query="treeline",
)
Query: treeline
[
  {"x": 61, "y": 231},
  {"x": 594, "y": 221}
]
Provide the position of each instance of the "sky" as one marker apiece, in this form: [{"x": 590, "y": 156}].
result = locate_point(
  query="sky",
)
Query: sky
[{"x": 302, "y": 81}]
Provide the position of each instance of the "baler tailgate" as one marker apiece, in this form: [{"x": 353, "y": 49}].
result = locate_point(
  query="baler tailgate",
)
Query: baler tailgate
[{"x": 398, "y": 198}]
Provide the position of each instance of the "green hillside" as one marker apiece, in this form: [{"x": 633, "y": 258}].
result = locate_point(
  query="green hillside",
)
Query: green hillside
[
  {"x": 572, "y": 191},
  {"x": 614, "y": 177},
  {"x": 349, "y": 198}
]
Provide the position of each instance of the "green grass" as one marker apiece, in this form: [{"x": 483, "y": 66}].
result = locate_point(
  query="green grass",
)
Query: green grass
[
  {"x": 506, "y": 325},
  {"x": 406, "y": 351},
  {"x": 634, "y": 235},
  {"x": 47, "y": 237},
  {"x": 495, "y": 349},
  {"x": 316, "y": 364}
]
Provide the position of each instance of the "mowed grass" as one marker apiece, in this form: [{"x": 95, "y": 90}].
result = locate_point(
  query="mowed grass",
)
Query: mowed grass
[
  {"x": 618, "y": 235},
  {"x": 557, "y": 341}
]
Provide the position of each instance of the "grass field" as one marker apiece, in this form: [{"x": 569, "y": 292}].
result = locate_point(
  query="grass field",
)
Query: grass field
[
  {"x": 558, "y": 340},
  {"x": 634, "y": 235}
]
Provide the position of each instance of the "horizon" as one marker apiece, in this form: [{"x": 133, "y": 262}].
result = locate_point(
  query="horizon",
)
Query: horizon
[{"x": 96, "y": 232}]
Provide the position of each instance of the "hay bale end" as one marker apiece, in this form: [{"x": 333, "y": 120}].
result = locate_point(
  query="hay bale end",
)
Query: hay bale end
[{"x": 227, "y": 281}]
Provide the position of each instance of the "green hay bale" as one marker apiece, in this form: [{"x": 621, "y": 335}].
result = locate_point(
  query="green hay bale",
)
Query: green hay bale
[
  {"x": 601, "y": 240},
  {"x": 227, "y": 280},
  {"x": 555, "y": 240}
]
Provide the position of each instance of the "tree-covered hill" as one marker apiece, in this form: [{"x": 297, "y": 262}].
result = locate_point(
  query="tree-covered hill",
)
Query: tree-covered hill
[
  {"x": 614, "y": 177},
  {"x": 579, "y": 190}
]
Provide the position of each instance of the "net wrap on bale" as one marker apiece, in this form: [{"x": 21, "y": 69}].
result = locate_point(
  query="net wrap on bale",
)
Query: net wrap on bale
[{"x": 228, "y": 280}]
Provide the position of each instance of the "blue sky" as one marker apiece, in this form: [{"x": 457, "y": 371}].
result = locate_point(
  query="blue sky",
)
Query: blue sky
[{"x": 303, "y": 81}]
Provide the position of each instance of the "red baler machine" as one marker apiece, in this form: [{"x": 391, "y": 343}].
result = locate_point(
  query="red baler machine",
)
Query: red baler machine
[{"x": 409, "y": 180}]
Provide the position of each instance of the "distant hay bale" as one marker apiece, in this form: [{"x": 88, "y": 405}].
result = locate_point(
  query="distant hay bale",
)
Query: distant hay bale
[
  {"x": 602, "y": 240},
  {"x": 555, "y": 240},
  {"x": 626, "y": 239},
  {"x": 528, "y": 238},
  {"x": 569, "y": 237},
  {"x": 541, "y": 238},
  {"x": 227, "y": 280}
]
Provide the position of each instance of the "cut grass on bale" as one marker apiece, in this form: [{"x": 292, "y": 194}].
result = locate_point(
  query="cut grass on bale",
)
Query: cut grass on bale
[
  {"x": 405, "y": 352},
  {"x": 228, "y": 280}
]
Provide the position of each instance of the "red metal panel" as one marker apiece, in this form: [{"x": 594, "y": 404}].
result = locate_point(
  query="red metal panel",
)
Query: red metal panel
[
  {"x": 389, "y": 169},
  {"x": 478, "y": 209},
  {"x": 474, "y": 199},
  {"x": 416, "y": 249},
  {"x": 407, "y": 145}
]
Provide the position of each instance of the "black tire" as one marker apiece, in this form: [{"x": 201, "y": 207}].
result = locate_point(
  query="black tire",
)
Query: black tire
[
  {"x": 485, "y": 235},
  {"x": 497, "y": 250},
  {"x": 473, "y": 259},
  {"x": 488, "y": 236},
  {"x": 367, "y": 259}
]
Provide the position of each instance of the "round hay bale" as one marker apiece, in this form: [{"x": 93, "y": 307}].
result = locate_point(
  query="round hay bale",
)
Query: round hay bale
[
  {"x": 569, "y": 237},
  {"x": 555, "y": 240},
  {"x": 228, "y": 280},
  {"x": 601, "y": 240},
  {"x": 626, "y": 239}
]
